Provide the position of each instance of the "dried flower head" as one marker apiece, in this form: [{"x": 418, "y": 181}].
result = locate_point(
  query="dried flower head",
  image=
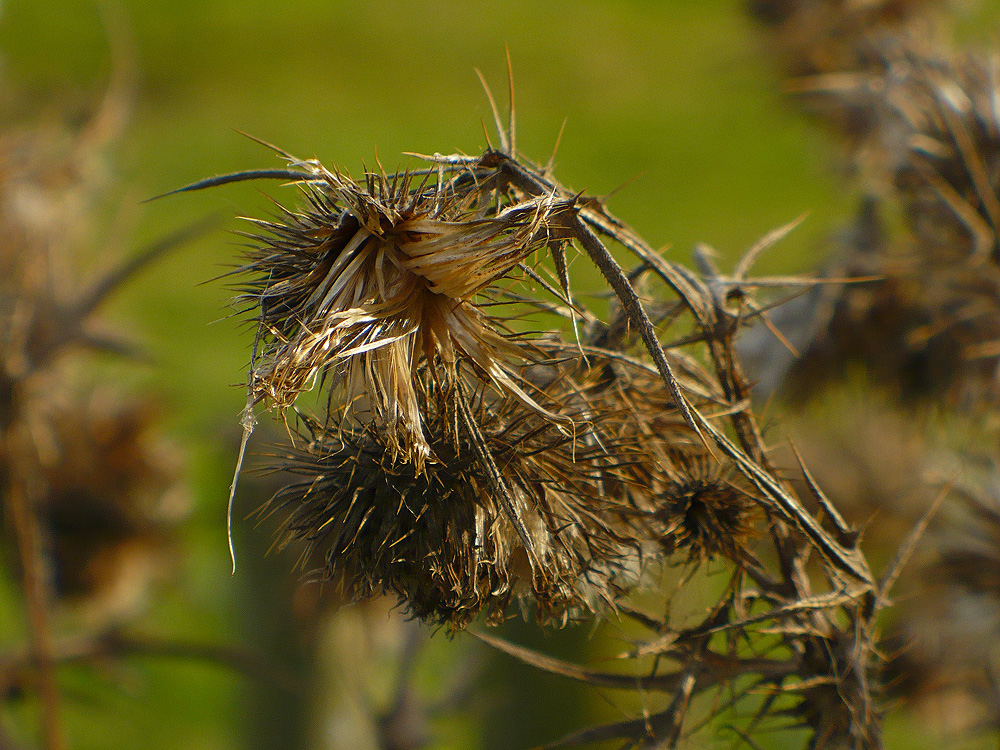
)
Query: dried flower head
[
  {"x": 701, "y": 512},
  {"x": 690, "y": 499},
  {"x": 370, "y": 282}
]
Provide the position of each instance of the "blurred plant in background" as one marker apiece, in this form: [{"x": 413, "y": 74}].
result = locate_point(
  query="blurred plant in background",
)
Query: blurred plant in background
[{"x": 90, "y": 492}]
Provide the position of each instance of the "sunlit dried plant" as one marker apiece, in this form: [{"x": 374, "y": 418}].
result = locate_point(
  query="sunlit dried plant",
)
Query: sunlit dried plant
[
  {"x": 466, "y": 456},
  {"x": 372, "y": 282},
  {"x": 439, "y": 538}
]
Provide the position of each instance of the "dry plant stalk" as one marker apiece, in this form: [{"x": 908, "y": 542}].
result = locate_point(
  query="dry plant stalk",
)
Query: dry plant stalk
[{"x": 464, "y": 459}]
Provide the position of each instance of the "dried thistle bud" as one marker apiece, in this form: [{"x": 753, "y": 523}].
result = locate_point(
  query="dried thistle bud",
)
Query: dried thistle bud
[
  {"x": 702, "y": 513},
  {"x": 687, "y": 496},
  {"x": 370, "y": 282}
]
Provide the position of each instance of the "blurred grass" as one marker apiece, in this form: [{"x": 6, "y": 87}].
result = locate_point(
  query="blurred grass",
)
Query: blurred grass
[{"x": 675, "y": 99}]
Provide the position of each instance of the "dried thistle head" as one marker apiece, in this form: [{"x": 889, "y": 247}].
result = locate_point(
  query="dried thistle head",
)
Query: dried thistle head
[
  {"x": 926, "y": 324},
  {"x": 702, "y": 513},
  {"x": 440, "y": 538},
  {"x": 370, "y": 282},
  {"x": 689, "y": 498}
]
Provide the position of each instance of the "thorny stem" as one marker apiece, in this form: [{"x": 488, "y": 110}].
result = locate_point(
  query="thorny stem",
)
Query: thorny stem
[
  {"x": 588, "y": 215},
  {"x": 849, "y": 561},
  {"x": 608, "y": 266}
]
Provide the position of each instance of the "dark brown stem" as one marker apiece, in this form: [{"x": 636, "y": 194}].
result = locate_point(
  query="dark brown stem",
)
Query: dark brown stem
[{"x": 619, "y": 282}]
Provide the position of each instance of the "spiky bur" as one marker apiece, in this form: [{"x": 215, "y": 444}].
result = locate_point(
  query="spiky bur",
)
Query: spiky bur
[
  {"x": 439, "y": 538},
  {"x": 628, "y": 485},
  {"x": 703, "y": 513}
]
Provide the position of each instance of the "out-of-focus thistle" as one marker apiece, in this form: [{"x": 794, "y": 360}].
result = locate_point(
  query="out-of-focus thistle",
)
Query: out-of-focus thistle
[
  {"x": 945, "y": 656},
  {"x": 923, "y": 130},
  {"x": 925, "y": 138},
  {"x": 110, "y": 501},
  {"x": 82, "y": 481},
  {"x": 72, "y": 457},
  {"x": 831, "y": 36}
]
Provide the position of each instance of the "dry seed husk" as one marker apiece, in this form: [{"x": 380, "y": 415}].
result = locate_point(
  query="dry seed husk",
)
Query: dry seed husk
[{"x": 628, "y": 483}]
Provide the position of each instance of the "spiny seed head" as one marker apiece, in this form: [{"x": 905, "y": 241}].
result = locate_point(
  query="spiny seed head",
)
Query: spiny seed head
[
  {"x": 370, "y": 282},
  {"x": 595, "y": 500},
  {"x": 689, "y": 499},
  {"x": 439, "y": 536},
  {"x": 705, "y": 515}
]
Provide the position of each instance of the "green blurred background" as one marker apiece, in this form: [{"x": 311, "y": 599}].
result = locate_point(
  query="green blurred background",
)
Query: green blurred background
[{"x": 677, "y": 99}]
